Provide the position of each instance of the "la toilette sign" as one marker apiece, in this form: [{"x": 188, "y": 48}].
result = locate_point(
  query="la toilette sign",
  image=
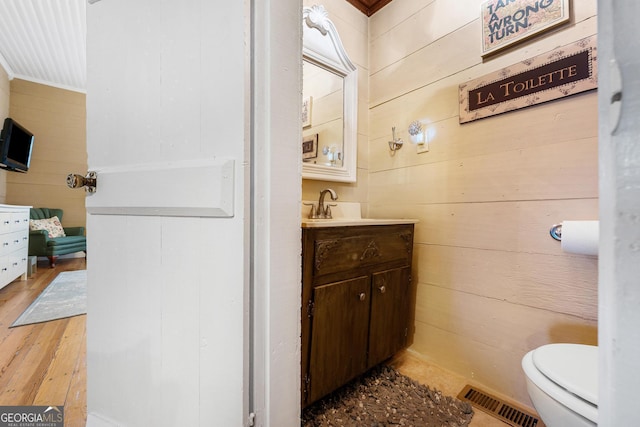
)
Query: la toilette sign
[
  {"x": 505, "y": 22},
  {"x": 566, "y": 70},
  {"x": 562, "y": 72}
]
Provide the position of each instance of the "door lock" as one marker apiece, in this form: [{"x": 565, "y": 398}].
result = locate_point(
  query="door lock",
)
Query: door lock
[{"x": 89, "y": 182}]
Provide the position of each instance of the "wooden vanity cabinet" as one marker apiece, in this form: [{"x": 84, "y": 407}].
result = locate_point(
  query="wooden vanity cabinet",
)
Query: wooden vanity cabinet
[{"x": 355, "y": 302}]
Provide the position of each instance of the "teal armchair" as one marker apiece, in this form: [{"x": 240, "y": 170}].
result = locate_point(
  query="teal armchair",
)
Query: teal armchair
[{"x": 40, "y": 244}]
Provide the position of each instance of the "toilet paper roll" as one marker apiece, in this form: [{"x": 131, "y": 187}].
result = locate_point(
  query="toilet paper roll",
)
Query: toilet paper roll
[{"x": 580, "y": 237}]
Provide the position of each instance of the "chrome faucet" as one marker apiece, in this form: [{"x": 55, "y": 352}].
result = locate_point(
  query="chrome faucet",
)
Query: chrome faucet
[{"x": 322, "y": 211}]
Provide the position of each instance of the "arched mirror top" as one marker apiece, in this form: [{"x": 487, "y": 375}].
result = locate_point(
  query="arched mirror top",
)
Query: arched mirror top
[{"x": 334, "y": 155}]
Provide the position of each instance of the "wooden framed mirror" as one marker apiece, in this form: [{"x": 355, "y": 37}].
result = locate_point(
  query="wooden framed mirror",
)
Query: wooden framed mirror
[{"x": 330, "y": 102}]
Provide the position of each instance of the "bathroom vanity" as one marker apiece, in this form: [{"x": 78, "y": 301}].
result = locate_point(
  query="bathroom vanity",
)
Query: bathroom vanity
[{"x": 356, "y": 294}]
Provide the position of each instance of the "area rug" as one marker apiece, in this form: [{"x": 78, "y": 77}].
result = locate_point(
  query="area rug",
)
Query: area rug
[
  {"x": 383, "y": 397},
  {"x": 66, "y": 296}
]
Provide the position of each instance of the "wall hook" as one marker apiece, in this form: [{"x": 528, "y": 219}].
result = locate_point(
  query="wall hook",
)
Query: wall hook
[{"x": 396, "y": 144}]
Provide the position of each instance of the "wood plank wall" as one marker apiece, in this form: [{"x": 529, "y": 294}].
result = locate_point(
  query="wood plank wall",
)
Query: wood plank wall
[
  {"x": 353, "y": 28},
  {"x": 57, "y": 118},
  {"x": 5, "y": 90},
  {"x": 490, "y": 282}
]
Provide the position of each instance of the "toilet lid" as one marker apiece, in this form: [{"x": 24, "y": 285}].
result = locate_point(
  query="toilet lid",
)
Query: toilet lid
[{"x": 571, "y": 366}]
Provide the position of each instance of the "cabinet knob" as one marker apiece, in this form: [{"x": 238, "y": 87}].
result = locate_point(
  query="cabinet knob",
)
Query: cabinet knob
[
  {"x": 382, "y": 289},
  {"x": 363, "y": 296}
]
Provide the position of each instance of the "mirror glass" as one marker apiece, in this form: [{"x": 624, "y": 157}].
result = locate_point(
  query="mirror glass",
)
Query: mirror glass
[
  {"x": 329, "y": 104},
  {"x": 322, "y": 116}
]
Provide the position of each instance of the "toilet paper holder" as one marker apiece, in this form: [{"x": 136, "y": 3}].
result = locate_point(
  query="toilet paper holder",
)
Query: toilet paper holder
[{"x": 556, "y": 232}]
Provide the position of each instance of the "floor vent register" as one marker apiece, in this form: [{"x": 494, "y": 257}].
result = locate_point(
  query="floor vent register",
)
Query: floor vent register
[{"x": 498, "y": 408}]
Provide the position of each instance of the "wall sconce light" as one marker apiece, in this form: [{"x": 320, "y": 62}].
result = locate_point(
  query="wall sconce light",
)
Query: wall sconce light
[
  {"x": 417, "y": 136},
  {"x": 396, "y": 144}
]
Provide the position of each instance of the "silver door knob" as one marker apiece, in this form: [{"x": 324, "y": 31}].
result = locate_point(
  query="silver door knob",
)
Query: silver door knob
[
  {"x": 382, "y": 289},
  {"x": 363, "y": 296}
]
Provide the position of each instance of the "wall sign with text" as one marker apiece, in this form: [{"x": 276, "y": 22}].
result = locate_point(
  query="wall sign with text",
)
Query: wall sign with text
[
  {"x": 562, "y": 72},
  {"x": 505, "y": 22}
]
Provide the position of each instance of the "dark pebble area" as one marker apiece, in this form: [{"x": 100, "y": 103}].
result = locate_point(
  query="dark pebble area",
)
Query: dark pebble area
[{"x": 382, "y": 397}]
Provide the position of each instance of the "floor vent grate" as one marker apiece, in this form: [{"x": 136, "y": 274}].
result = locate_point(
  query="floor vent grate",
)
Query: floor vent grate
[{"x": 506, "y": 412}]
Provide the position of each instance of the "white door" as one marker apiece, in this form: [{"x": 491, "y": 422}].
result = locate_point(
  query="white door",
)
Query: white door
[
  {"x": 193, "y": 115},
  {"x": 167, "y": 102}
]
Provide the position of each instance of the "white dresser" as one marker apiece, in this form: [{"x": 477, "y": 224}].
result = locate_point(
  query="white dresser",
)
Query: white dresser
[{"x": 14, "y": 243}]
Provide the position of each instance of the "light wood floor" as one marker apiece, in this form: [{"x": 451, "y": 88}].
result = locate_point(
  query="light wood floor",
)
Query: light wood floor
[{"x": 43, "y": 364}]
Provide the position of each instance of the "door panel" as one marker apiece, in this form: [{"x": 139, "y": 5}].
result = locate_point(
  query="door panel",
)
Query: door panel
[
  {"x": 389, "y": 314},
  {"x": 167, "y": 228},
  {"x": 338, "y": 353}
]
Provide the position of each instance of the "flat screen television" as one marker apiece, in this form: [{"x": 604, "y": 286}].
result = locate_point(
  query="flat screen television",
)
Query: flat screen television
[{"x": 16, "y": 144}]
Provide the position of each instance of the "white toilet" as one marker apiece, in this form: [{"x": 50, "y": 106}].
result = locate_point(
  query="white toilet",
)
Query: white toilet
[{"x": 562, "y": 381}]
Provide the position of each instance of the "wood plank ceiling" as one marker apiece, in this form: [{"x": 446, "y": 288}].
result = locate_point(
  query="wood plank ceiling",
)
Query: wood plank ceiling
[
  {"x": 44, "y": 41},
  {"x": 369, "y": 7}
]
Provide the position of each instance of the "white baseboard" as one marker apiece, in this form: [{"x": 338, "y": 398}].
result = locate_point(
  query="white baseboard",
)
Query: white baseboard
[{"x": 96, "y": 420}]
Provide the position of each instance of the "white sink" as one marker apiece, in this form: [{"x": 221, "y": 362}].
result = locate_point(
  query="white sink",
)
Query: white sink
[{"x": 345, "y": 214}]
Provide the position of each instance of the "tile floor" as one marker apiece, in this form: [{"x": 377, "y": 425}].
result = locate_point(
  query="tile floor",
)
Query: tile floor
[{"x": 413, "y": 366}]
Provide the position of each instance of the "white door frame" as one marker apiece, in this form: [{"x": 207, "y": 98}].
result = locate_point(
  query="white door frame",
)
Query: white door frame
[
  {"x": 276, "y": 192},
  {"x": 619, "y": 256}
]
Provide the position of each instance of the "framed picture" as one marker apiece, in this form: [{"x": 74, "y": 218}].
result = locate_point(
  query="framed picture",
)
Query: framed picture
[
  {"x": 310, "y": 146},
  {"x": 505, "y": 23},
  {"x": 306, "y": 112}
]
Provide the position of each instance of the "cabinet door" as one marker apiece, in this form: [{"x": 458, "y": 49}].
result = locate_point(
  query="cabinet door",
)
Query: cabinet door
[
  {"x": 339, "y": 333},
  {"x": 389, "y": 313}
]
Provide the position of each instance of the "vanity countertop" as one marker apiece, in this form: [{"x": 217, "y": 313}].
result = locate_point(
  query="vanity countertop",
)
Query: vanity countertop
[
  {"x": 347, "y": 214},
  {"x": 351, "y": 222}
]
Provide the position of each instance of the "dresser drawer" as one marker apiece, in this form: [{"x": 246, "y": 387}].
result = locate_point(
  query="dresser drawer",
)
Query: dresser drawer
[
  {"x": 20, "y": 221},
  {"x": 10, "y": 242},
  {"x": 6, "y": 223},
  {"x": 13, "y": 221},
  {"x": 361, "y": 247},
  {"x": 15, "y": 263}
]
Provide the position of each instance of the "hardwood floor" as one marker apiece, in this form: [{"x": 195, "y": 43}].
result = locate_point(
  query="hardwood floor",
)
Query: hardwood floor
[{"x": 45, "y": 363}]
